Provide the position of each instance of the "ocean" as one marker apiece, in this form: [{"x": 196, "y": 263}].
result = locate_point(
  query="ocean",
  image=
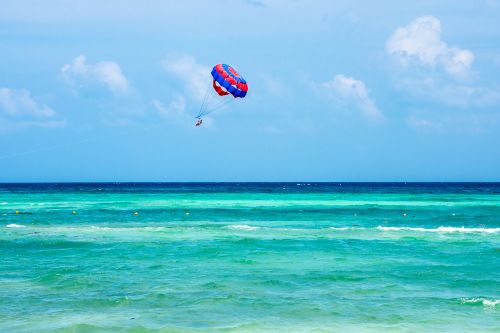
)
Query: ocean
[{"x": 250, "y": 257}]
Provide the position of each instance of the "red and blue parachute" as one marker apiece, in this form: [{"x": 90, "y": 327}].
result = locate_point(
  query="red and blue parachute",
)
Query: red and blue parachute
[{"x": 225, "y": 81}]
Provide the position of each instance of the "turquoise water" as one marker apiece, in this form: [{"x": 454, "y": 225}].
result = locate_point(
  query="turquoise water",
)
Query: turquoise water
[{"x": 250, "y": 257}]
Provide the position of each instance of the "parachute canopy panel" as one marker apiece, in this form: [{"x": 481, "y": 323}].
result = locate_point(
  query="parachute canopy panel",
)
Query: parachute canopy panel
[{"x": 227, "y": 77}]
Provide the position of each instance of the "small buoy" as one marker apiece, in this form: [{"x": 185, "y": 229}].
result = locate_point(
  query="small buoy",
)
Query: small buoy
[
  {"x": 136, "y": 213},
  {"x": 73, "y": 212},
  {"x": 18, "y": 212}
]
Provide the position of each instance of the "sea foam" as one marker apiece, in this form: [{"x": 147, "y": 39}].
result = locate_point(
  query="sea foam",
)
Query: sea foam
[
  {"x": 483, "y": 301},
  {"x": 243, "y": 227},
  {"x": 14, "y": 226},
  {"x": 442, "y": 229},
  {"x": 346, "y": 228}
]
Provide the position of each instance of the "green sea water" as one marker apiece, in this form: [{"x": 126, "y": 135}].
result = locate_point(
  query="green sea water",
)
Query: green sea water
[{"x": 250, "y": 257}]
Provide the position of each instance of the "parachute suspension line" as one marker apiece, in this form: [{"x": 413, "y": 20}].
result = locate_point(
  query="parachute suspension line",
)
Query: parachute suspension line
[
  {"x": 219, "y": 105},
  {"x": 223, "y": 104},
  {"x": 211, "y": 107},
  {"x": 205, "y": 100},
  {"x": 213, "y": 100},
  {"x": 205, "y": 97}
]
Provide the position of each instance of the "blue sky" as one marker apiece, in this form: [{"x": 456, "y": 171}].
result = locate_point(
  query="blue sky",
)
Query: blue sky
[{"x": 338, "y": 90}]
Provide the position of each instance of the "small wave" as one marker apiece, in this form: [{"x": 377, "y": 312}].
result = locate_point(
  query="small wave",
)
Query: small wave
[
  {"x": 243, "y": 227},
  {"x": 463, "y": 229},
  {"x": 345, "y": 228},
  {"x": 482, "y": 301},
  {"x": 101, "y": 228},
  {"x": 93, "y": 227},
  {"x": 403, "y": 229},
  {"x": 442, "y": 229},
  {"x": 14, "y": 226},
  {"x": 153, "y": 228},
  {"x": 5, "y": 203}
]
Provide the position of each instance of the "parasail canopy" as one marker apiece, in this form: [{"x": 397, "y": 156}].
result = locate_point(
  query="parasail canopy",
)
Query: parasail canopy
[
  {"x": 228, "y": 78},
  {"x": 225, "y": 81}
]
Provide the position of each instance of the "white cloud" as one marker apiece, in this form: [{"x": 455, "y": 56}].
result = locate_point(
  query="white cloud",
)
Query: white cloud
[
  {"x": 174, "y": 110},
  {"x": 349, "y": 92},
  {"x": 433, "y": 70},
  {"x": 105, "y": 73},
  {"x": 195, "y": 76},
  {"x": 474, "y": 122},
  {"x": 18, "y": 109},
  {"x": 449, "y": 93},
  {"x": 420, "y": 123},
  {"x": 14, "y": 103},
  {"x": 420, "y": 42}
]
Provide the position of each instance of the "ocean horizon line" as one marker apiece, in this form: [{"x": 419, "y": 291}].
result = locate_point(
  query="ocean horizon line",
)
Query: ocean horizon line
[{"x": 258, "y": 182}]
